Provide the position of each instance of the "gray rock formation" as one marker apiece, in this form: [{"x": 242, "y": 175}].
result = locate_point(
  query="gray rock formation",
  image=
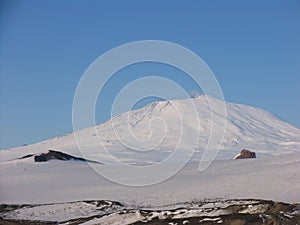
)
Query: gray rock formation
[{"x": 245, "y": 154}]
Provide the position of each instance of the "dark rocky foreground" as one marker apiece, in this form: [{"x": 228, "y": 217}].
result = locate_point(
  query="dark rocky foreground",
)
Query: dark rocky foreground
[
  {"x": 56, "y": 155},
  {"x": 230, "y": 212}
]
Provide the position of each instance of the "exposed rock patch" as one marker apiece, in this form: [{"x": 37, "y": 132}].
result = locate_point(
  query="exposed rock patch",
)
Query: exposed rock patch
[
  {"x": 27, "y": 156},
  {"x": 245, "y": 154},
  {"x": 51, "y": 154},
  {"x": 229, "y": 212},
  {"x": 55, "y": 155}
]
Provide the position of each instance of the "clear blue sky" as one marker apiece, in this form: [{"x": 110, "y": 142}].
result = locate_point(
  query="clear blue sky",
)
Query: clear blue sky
[{"x": 252, "y": 47}]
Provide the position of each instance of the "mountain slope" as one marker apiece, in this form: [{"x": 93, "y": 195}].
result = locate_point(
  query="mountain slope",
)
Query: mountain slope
[{"x": 152, "y": 132}]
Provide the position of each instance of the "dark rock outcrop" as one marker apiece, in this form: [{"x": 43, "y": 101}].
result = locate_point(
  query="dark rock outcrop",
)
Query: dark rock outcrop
[
  {"x": 26, "y": 156},
  {"x": 245, "y": 154},
  {"x": 51, "y": 154}
]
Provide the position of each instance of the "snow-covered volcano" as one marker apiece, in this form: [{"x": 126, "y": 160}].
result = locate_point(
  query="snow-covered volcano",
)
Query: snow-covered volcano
[
  {"x": 151, "y": 134},
  {"x": 154, "y": 131}
]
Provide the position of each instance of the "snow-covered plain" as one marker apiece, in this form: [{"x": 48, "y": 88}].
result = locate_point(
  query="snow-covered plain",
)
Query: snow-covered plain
[
  {"x": 62, "y": 183},
  {"x": 273, "y": 175},
  {"x": 276, "y": 178}
]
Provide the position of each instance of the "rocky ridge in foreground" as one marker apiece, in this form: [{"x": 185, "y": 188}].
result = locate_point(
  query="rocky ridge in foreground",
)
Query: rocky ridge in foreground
[{"x": 231, "y": 212}]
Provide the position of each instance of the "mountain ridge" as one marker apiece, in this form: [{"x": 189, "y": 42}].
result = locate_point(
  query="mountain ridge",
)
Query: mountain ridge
[{"x": 158, "y": 126}]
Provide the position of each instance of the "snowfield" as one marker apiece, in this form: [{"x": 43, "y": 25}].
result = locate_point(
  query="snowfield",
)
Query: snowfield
[{"x": 276, "y": 178}]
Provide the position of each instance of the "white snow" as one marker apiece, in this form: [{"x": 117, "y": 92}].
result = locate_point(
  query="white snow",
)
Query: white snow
[
  {"x": 116, "y": 219},
  {"x": 275, "y": 174},
  {"x": 275, "y": 178},
  {"x": 107, "y": 214},
  {"x": 55, "y": 212},
  {"x": 155, "y": 130},
  {"x": 210, "y": 219}
]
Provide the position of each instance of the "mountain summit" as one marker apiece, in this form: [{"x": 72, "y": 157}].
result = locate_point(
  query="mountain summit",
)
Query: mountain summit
[{"x": 155, "y": 130}]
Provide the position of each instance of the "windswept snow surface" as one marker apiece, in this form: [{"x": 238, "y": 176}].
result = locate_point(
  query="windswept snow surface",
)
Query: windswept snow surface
[{"x": 276, "y": 178}]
